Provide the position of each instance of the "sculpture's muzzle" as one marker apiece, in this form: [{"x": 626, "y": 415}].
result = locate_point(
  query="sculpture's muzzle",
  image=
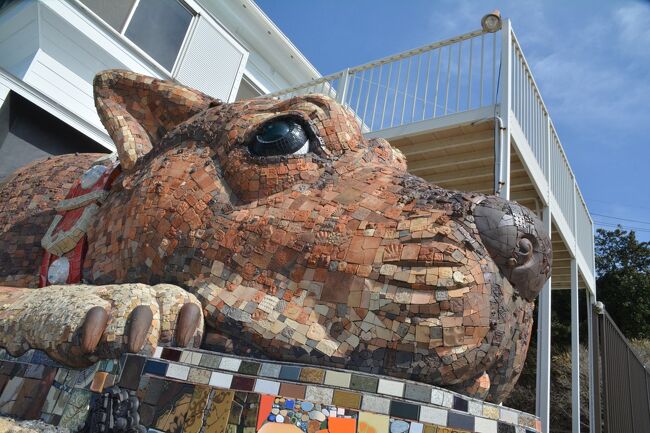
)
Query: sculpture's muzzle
[{"x": 518, "y": 243}]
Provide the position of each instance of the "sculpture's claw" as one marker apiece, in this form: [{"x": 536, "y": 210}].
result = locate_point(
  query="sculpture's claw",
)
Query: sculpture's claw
[
  {"x": 141, "y": 319},
  {"x": 79, "y": 324},
  {"x": 93, "y": 328},
  {"x": 189, "y": 319}
]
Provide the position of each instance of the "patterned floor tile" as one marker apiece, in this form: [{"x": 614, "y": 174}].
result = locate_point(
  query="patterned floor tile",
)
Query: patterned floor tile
[
  {"x": 221, "y": 380},
  {"x": 433, "y": 415},
  {"x": 318, "y": 395},
  {"x": 292, "y": 390},
  {"x": 337, "y": 378},
  {"x": 269, "y": 387},
  {"x": 177, "y": 371},
  {"x": 390, "y": 387},
  {"x": 417, "y": 392},
  {"x": 190, "y": 357},
  {"x": 372, "y": 403},
  {"x": 76, "y": 410},
  {"x": 193, "y": 422},
  {"x": 10, "y": 394},
  {"x": 364, "y": 383},
  {"x": 199, "y": 375},
  {"x": 219, "y": 411},
  {"x": 483, "y": 425},
  {"x": 289, "y": 372},
  {"x": 231, "y": 364},
  {"x": 173, "y": 406},
  {"x": 131, "y": 371},
  {"x": 209, "y": 360},
  {"x": 404, "y": 410},
  {"x": 460, "y": 421},
  {"x": 373, "y": 423},
  {"x": 270, "y": 370},
  {"x": 250, "y": 368},
  {"x": 312, "y": 375},
  {"x": 351, "y": 400},
  {"x": 156, "y": 367},
  {"x": 242, "y": 383}
]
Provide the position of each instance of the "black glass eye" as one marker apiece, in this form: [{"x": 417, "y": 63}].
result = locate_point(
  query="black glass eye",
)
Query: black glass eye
[{"x": 280, "y": 137}]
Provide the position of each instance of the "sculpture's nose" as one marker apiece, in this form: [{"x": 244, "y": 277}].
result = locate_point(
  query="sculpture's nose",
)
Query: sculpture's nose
[{"x": 518, "y": 243}]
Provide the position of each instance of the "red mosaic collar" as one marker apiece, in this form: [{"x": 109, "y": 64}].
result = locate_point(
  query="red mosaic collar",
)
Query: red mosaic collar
[{"x": 65, "y": 242}]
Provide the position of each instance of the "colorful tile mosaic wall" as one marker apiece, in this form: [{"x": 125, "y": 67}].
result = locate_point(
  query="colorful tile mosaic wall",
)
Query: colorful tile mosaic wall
[
  {"x": 190, "y": 390},
  {"x": 33, "y": 386}
]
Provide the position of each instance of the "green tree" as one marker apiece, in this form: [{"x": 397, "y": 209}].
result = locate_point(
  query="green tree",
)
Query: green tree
[{"x": 623, "y": 280}]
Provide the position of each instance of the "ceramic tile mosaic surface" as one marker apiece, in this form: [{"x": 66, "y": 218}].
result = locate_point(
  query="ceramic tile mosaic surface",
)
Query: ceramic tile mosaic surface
[
  {"x": 33, "y": 386},
  {"x": 286, "y": 234},
  {"x": 220, "y": 398}
]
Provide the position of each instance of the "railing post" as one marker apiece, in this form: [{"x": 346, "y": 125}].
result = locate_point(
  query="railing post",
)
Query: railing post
[
  {"x": 575, "y": 349},
  {"x": 343, "y": 86},
  {"x": 575, "y": 325},
  {"x": 574, "y": 228},
  {"x": 502, "y": 157},
  {"x": 547, "y": 168},
  {"x": 593, "y": 257},
  {"x": 605, "y": 374},
  {"x": 647, "y": 392},
  {"x": 543, "y": 396},
  {"x": 594, "y": 376},
  {"x": 543, "y": 388},
  {"x": 628, "y": 406}
]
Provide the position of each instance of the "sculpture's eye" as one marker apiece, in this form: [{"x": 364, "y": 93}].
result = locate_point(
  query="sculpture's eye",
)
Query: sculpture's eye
[
  {"x": 283, "y": 136},
  {"x": 522, "y": 254},
  {"x": 525, "y": 247}
]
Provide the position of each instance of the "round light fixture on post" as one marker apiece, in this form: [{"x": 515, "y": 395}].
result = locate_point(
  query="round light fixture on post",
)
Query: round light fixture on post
[{"x": 491, "y": 22}]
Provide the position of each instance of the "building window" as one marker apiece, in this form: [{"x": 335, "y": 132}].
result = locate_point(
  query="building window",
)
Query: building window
[
  {"x": 247, "y": 89},
  {"x": 114, "y": 12},
  {"x": 158, "y": 27}
]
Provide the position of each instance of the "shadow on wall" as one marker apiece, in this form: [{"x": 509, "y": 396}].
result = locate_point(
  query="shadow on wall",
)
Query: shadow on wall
[{"x": 28, "y": 133}]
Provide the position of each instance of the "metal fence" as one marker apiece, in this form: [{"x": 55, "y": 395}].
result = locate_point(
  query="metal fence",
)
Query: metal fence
[
  {"x": 625, "y": 382},
  {"x": 455, "y": 75}
]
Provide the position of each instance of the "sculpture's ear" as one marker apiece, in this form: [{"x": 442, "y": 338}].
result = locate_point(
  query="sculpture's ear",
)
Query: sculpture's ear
[{"x": 137, "y": 111}]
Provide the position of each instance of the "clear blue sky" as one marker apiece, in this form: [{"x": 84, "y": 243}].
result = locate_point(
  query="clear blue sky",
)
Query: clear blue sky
[{"x": 591, "y": 60}]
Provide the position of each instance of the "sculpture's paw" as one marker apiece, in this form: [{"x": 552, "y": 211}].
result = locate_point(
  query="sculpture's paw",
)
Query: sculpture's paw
[{"x": 78, "y": 324}]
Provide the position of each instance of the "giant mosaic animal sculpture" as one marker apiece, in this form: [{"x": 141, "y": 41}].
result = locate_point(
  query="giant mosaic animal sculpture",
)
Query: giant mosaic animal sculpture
[{"x": 279, "y": 225}]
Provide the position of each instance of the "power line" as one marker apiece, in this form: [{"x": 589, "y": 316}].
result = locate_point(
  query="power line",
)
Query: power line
[
  {"x": 636, "y": 229},
  {"x": 614, "y": 224},
  {"x": 622, "y": 219}
]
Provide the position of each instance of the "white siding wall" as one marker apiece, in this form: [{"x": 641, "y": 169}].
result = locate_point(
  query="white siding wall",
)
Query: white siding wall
[
  {"x": 18, "y": 37},
  {"x": 4, "y": 91},
  {"x": 68, "y": 89}
]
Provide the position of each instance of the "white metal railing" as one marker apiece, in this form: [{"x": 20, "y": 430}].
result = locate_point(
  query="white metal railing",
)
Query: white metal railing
[
  {"x": 455, "y": 75},
  {"x": 451, "y": 76},
  {"x": 561, "y": 179},
  {"x": 532, "y": 115},
  {"x": 528, "y": 106},
  {"x": 584, "y": 231}
]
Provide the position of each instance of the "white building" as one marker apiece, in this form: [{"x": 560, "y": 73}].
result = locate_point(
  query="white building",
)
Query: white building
[
  {"x": 50, "y": 51},
  {"x": 465, "y": 111}
]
